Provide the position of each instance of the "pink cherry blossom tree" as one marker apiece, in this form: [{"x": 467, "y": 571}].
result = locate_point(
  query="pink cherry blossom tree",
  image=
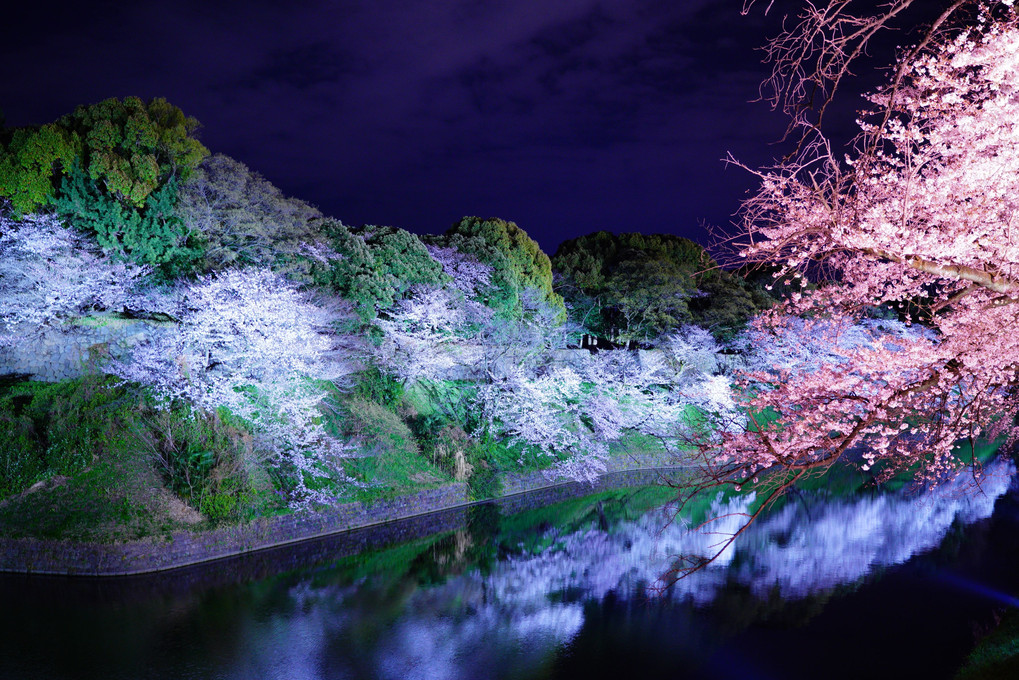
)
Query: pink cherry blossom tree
[{"x": 921, "y": 217}]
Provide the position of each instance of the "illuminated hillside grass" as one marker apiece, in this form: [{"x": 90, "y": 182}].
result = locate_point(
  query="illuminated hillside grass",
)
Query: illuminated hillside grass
[
  {"x": 91, "y": 459},
  {"x": 72, "y": 466},
  {"x": 106, "y": 465}
]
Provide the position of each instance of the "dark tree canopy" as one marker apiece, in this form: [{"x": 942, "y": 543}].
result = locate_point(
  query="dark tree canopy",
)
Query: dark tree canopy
[
  {"x": 635, "y": 286},
  {"x": 629, "y": 286}
]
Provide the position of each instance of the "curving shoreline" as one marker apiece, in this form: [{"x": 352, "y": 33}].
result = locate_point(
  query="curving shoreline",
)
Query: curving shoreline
[{"x": 185, "y": 549}]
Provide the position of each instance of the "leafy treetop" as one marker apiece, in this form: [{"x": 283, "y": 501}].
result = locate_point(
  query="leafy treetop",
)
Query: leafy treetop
[
  {"x": 372, "y": 266},
  {"x": 28, "y": 159},
  {"x": 128, "y": 148},
  {"x": 517, "y": 261},
  {"x": 132, "y": 148}
]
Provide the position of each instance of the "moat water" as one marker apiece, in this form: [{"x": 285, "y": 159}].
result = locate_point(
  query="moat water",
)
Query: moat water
[{"x": 876, "y": 584}]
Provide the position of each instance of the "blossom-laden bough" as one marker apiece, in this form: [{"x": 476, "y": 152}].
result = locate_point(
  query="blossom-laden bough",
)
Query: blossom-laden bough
[{"x": 919, "y": 218}]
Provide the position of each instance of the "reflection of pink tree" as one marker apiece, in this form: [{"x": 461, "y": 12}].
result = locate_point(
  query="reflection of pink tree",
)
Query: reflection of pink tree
[{"x": 920, "y": 217}]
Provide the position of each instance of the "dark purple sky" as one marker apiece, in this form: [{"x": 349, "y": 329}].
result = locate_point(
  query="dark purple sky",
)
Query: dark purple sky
[{"x": 565, "y": 116}]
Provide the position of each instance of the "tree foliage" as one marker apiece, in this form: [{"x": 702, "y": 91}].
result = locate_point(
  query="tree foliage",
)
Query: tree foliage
[
  {"x": 131, "y": 148},
  {"x": 128, "y": 148},
  {"x": 152, "y": 235},
  {"x": 725, "y": 302},
  {"x": 29, "y": 158},
  {"x": 241, "y": 219},
  {"x": 112, "y": 169},
  {"x": 402, "y": 257},
  {"x": 640, "y": 286},
  {"x": 516, "y": 259},
  {"x": 372, "y": 266}
]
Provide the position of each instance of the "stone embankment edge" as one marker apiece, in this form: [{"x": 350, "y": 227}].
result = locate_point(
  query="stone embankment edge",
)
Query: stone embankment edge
[{"x": 185, "y": 549}]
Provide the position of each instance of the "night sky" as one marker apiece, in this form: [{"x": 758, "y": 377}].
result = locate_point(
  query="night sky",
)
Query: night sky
[{"x": 565, "y": 116}]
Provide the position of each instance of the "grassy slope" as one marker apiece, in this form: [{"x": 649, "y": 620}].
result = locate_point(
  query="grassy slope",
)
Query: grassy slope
[
  {"x": 83, "y": 473},
  {"x": 97, "y": 474}
]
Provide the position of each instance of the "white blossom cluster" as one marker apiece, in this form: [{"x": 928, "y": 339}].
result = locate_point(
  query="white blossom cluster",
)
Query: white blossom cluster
[
  {"x": 249, "y": 341},
  {"x": 469, "y": 275},
  {"x": 50, "y": 273},
  {"x": 570, "y": 409}
]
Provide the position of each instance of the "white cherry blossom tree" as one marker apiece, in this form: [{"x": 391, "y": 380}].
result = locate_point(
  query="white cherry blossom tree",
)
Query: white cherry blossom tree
[
  {"x": 50, "y": 273},
  {"x": 250, "y": 341}
]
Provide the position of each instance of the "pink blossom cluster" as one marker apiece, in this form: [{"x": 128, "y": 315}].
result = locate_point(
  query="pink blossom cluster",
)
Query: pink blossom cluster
[{"x": 920, "y": 220}]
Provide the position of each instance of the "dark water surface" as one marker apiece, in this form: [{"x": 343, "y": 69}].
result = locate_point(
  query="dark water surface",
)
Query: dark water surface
[{"x": 876, "y": 585}]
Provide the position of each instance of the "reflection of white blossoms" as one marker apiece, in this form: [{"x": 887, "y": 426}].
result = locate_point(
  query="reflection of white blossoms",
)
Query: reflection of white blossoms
[
  {"x": 807, "y": 549},
  {"x": 530, "y": 605},
  {"x": 800, "y": 549}
]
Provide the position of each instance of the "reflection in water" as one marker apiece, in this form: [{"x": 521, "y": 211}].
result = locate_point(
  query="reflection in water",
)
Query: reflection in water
[
  {"x": 808, "y": 548},
  {"x": 536, "y": 594},
  {"x": 520, "y": 610}
]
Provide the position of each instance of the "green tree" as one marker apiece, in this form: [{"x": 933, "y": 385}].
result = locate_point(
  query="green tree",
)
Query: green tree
[
  {"x": 128, "y": 148},
  {"x": 401, "y": 257},
  {"x": 590, "y": 260},
  {"x": 373, "y": 266},
  {"x": 132, "y": 148},
  {"x": 638, "y": 286},
  {"x": 630, "y": 286},
  {"x": 153, "y": 235},
  {"x": 517, "y": 261},
  {"x": 647, "y": 297},
  {"x": 725, "y": 302},
  {"x": 30, "y": 158}
]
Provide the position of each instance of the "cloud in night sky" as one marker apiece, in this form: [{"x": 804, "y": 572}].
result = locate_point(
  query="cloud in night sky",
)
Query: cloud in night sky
[{"x": 566, "y": 117}]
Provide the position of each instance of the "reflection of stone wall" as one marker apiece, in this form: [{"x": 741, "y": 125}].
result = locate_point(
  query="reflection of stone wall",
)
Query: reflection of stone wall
[
  {"x": 70, "y": 351},
  {"x": 28, "y": 555}
]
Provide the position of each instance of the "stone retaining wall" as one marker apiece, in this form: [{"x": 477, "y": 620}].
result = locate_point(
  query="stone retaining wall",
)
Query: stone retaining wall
[
  {"x": 71, "y": 351},
  {"x": 35, "y": 556}
]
